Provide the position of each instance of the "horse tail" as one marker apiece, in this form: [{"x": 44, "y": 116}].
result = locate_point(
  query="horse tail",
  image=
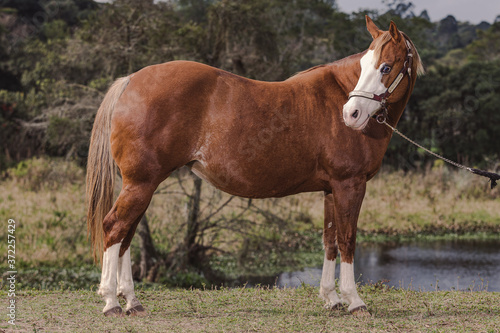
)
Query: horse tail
[{"x": 101, "y": 169}]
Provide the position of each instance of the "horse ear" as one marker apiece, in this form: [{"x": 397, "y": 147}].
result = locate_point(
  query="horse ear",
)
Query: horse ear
[
  {"x": 372, "y": 28},
  {"x": 393, "y": 30}
]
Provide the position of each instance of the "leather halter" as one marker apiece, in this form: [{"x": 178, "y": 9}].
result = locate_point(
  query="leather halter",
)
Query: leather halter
[{"x": 382, "y": 98}]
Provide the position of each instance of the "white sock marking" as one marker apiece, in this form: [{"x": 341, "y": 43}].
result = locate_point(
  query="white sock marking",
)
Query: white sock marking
[
  {"x": 348, "y": 290},
  {"x": 107, "y": 288},
  {"x": 125, "y": 280},
  {"x": 327, "y": 284}
]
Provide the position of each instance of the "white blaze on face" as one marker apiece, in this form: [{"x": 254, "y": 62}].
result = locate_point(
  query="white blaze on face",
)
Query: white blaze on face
[{"x": 358, "y": 110}]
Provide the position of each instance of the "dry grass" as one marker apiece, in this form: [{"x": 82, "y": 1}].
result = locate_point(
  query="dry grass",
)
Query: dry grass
[
  {"x": 48, "y": 207},
  {"x": 437, "y": 201}
]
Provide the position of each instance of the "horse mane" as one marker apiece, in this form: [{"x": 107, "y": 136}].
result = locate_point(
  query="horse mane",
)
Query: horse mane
[
  {"x": 416, "y": 56},
  {"x": 385, "y": 38}
]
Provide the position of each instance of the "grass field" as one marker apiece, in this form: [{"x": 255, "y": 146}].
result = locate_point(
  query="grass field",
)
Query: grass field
[
  {"x": 46, "y": 198},
  {"x": 259, "y": 310}
]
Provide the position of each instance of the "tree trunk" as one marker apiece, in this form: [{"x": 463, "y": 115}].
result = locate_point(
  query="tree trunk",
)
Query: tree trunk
[
  {"x": 193, "y": 214},
  {"x": 148, "y": 250}
]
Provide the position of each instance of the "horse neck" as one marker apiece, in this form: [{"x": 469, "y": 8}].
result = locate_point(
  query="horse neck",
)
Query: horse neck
[
  {"x": 346, "y": 72},
  {"x": 395, "y": 110}
]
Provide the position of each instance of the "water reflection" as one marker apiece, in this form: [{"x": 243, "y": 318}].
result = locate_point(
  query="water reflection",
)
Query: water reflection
[{"x": 420, "y": 265}]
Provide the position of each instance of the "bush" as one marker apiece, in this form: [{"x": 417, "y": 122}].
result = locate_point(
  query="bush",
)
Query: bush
[{"x": 42, "y": 173}]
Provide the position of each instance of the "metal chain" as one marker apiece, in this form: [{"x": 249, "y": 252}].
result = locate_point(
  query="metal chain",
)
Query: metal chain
[{"x": 395, "y": 130}]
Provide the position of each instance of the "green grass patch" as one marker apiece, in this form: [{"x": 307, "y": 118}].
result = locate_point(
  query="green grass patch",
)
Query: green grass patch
[{"x": 259, "y": 309}]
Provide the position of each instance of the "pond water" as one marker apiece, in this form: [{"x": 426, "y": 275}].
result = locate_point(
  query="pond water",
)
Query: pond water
[{"x": 419, "y": 265}]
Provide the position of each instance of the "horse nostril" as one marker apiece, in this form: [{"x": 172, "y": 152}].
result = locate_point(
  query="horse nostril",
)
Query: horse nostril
[{"x": 355, "y": 114}]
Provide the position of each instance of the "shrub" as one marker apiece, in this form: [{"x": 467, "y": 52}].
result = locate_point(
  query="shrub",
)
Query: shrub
[{"x": 42, "y": 173}]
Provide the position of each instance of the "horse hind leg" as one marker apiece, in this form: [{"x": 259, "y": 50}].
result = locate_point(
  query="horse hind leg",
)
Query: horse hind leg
[
  {"x": 125, "y": 286},
  {"x": 107, "y": 286},
  {"x": 119, "y": 227}
]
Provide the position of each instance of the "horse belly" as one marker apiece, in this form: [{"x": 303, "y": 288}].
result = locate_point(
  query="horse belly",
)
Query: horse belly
[{"x": 256, "y": 181}]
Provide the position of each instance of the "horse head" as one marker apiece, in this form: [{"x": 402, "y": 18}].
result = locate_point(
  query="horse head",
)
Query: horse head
[{"x": 390, "y": 57}]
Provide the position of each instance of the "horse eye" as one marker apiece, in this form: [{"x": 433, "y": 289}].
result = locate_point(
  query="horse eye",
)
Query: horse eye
[{"x": 386, "y": 69}]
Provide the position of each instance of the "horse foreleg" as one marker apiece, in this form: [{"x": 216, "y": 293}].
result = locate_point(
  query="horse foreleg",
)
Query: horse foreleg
[
  {"x": 348, "y": 196},
  {"x": 327, "y": 285},
  {"x": 348, "y": 289}
]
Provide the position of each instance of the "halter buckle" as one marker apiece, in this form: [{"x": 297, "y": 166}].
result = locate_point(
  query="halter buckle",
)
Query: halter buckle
[{"x": 382, "y": 116}]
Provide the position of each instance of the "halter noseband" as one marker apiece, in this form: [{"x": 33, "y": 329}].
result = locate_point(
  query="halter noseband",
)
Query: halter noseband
[{"x": 382, "y": 98}]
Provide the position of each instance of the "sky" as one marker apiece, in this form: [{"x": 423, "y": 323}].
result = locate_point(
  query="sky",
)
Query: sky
[{"x": 473, "y": 11}]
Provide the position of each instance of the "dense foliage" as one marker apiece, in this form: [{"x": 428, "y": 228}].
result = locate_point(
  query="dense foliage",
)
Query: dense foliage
[{"x": 57, "y": 58}]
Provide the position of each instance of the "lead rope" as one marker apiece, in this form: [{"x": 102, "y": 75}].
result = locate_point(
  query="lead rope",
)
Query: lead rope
[{"x": 492, "y": 176}]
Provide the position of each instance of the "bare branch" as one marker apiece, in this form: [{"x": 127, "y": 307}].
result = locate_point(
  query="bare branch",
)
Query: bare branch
[
  {"x": 180, "y": 182},
  {"x": 170, "y": 192},
  {"x": 206, "y": 219},
  {"x": 32, "y": 125},
  {"x": 77, "y": 85}
]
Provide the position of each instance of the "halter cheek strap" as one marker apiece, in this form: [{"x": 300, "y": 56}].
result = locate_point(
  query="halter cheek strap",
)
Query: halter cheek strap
[{"x": 382, "y": 98}]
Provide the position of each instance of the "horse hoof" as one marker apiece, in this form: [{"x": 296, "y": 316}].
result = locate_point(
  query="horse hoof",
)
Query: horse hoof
[
  {"x": 360, "y": 311},
  {"x": 333, "y": 307},
  {"x": 137, "y": 311},
  {"x": 114, "y": 312}
]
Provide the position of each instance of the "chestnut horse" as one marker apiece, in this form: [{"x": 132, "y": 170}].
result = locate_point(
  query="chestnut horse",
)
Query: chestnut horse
[{"x": 311, "y": 132}]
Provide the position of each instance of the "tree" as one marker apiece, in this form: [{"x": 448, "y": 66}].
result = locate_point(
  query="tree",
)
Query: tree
[{"x": 148, "y": 253}]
